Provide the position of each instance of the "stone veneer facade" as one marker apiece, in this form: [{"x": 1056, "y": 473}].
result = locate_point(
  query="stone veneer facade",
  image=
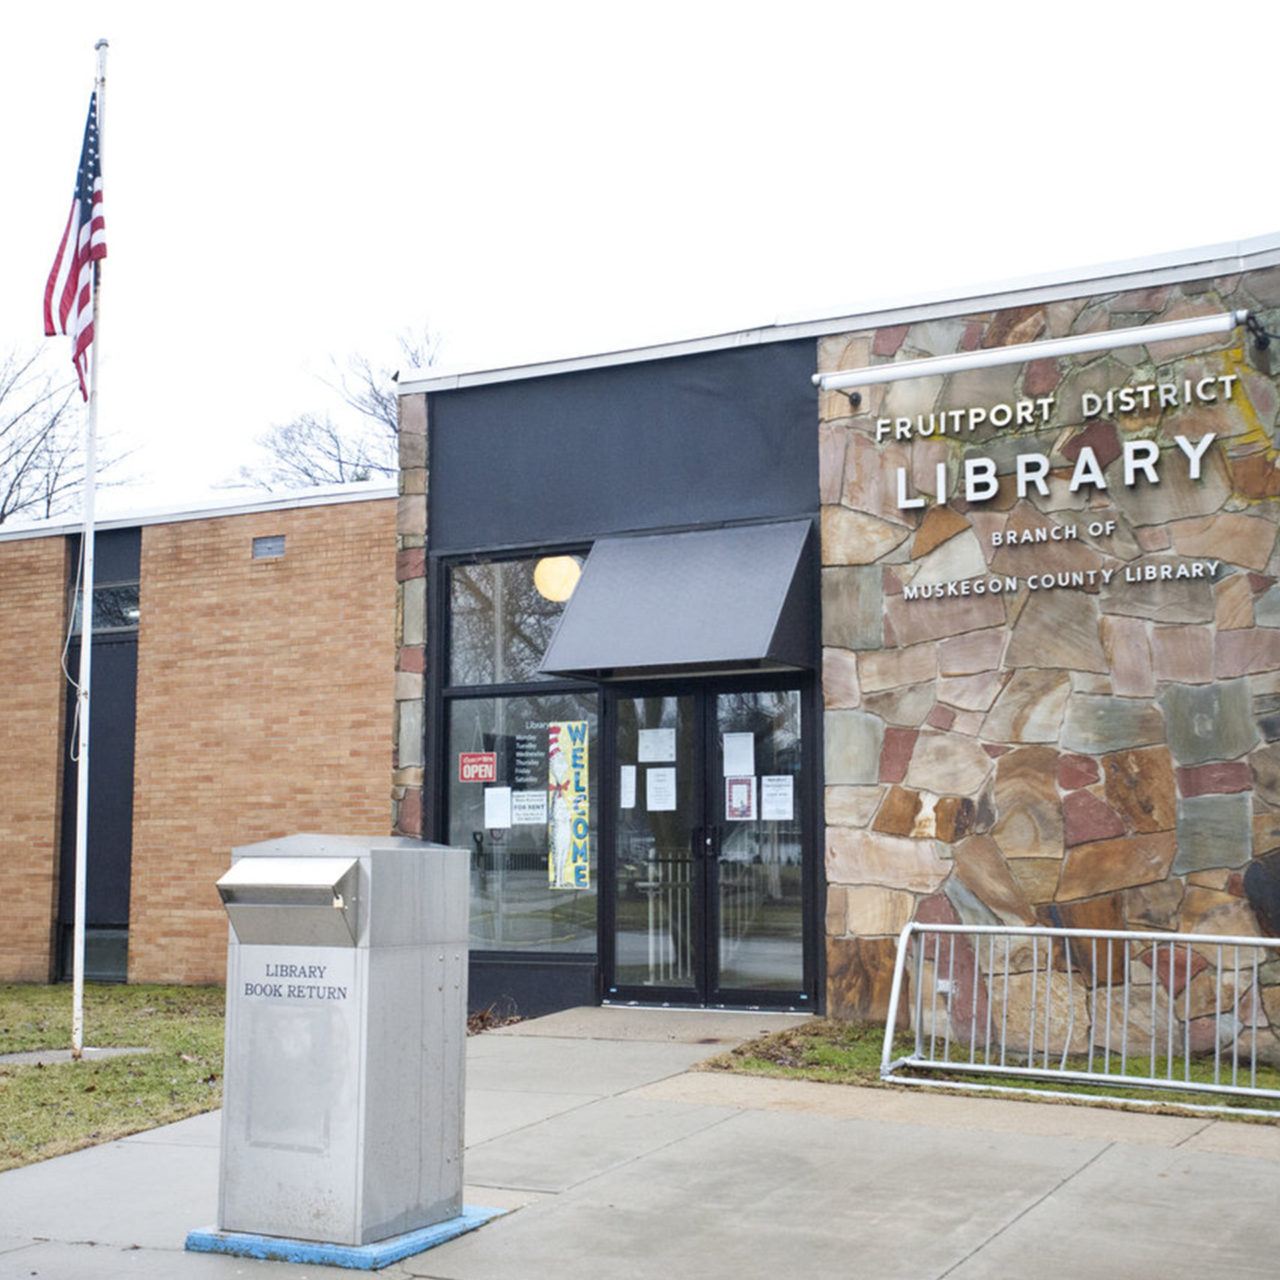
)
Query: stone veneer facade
[
  {"x": 411, "y": 619},
  {"x": 1088, "y": 755}
]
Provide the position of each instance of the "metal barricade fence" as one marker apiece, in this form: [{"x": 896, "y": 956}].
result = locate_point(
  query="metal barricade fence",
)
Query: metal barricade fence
[{"x": 1099, "y": 1007}]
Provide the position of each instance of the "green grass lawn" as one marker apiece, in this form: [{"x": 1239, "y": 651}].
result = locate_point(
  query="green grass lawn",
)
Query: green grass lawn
[
  {"x": 832, "y": 1052},
  {"x": 50, "y": 1110}
]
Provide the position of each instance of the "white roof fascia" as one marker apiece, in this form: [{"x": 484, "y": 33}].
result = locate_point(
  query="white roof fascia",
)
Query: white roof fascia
[
  {"x": 326, "y": 497},
  {"x": 1157, "y": 269},
  {"x": 1162, "y": 268},
  {"x": 629, "y": 355}
]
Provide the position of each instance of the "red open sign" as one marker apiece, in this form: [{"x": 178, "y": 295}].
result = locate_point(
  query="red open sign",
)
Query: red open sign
[{"x": 478, "y": 766}]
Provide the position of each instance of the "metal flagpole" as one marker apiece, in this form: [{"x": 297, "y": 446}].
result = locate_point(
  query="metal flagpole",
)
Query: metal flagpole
[{"x": 86, "y": 630}]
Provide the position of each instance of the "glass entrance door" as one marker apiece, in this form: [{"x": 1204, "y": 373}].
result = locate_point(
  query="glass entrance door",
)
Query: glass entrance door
[
  {"x": 756, "y": 839},
  {"x": 707, "y": 894},
  {"x": 657, "y": 893}
]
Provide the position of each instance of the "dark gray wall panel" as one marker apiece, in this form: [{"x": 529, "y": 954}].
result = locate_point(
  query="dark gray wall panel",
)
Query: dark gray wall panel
[
  {"x": 702, "y": 439},
  {"x": 116, "y": 554},
  {"x": 111, "y": 757}
]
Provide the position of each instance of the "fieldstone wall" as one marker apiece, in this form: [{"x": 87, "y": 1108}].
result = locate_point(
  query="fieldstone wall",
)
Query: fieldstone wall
[
  {"x": 1026, "y": 721},
  {"x": 411, "y": 619}
]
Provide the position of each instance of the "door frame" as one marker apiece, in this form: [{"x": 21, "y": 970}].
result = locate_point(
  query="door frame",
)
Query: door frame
[{"x": 707, "y": 992}]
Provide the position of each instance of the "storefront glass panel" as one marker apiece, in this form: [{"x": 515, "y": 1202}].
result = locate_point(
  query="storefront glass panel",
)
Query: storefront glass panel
[
  {"x": 500, "y": 622},
  {"x": 523, "y": 799}
]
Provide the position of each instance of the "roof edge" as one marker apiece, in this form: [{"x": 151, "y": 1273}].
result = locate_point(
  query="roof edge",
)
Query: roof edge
[
  {"x": 330, "y": 496},
  {"x": 1051, "y": 286}
]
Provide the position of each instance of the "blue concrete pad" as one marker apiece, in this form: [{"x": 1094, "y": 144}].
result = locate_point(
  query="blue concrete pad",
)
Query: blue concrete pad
[{"x": 367, "y": 1257}]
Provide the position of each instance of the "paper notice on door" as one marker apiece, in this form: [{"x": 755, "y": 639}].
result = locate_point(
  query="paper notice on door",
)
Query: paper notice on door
[
  {"x": 739, "y": 755},
  {"x": 627, "y": 787},
  {"x": 739, "y": 799},
  {"x": 657, "y": 746},
  {"x": 497, "y": 807},
  {"x": 528, "y": 808},
  {"x": 660, "y": 790},
  {"x": 777, "y": 798}
]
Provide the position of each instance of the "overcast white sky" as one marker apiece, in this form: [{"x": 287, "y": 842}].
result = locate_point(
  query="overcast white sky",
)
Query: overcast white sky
[{"x": 289, "y": 183}]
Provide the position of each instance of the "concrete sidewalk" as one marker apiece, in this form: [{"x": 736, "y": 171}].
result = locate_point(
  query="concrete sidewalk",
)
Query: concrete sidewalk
[{"x": 616, "y": 1161}]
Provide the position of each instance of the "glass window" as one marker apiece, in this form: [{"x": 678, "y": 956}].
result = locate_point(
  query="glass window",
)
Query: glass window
[
  {"x": 523, "y": 800},
  {"x": 500, "y": 621},
  {"x": 521, "y": 765},
  {"x": 115, "y": 608}
]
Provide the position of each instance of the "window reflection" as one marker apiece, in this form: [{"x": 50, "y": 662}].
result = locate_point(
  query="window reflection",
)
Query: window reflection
[
  {"x": 760, "y": 880},
  {"x": 115, "y": 608},
  {"x": 513, "y": 904},
  {"x": 523, "y": 762},
  {"x": 500, "y": 623}
]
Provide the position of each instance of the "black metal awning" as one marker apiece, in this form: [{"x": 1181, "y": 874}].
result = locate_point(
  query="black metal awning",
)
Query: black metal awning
[{"x": 729, "y": 599}]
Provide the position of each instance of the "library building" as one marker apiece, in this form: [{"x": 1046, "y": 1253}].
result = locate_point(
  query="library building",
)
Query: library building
[{"x": 725, "y": 659}]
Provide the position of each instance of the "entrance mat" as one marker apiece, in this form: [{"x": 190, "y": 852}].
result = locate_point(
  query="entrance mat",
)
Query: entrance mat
[{"x": 364, "y": 1257}]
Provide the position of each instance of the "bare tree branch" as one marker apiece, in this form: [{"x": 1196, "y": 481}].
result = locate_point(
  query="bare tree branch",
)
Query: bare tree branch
[
  {"x": 313, "y": 449},
  {"x": 40, "y": 461}
]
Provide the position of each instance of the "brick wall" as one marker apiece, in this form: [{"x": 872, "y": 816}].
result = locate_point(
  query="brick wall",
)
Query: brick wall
[
  {"x": 265, "y": 695},
  {"x": 33, "y": 601}
]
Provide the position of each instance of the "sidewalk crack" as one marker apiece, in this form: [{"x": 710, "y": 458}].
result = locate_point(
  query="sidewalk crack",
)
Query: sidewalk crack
[
  {"x": 1035, "y": 1204},
  {"x": 1204, "y": 1128}
]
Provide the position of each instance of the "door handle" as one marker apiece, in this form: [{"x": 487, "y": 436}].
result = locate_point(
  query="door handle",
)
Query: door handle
[{"x": 703, "y": 841}]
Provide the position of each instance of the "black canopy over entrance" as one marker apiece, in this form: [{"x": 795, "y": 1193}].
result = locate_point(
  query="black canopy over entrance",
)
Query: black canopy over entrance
[{"x": 713, "y": 600}]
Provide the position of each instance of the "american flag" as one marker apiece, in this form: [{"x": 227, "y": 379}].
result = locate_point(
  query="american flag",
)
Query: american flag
[{"x": 68, "y": 296}]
